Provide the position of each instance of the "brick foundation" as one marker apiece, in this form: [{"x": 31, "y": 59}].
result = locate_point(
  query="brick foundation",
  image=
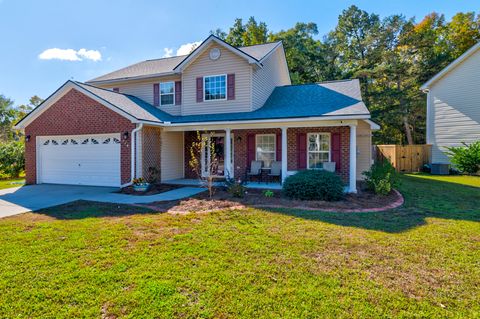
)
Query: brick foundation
[{"x": 77, "y": 114}]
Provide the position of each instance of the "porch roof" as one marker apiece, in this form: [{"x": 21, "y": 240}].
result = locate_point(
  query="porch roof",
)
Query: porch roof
[{"x": 328, "y": 99}]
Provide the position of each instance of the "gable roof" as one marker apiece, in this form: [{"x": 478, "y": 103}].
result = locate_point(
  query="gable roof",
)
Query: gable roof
[
  {"x": 166, "y": 66},
  {"x": 128, "y": 106},
  {"x": 336, "y": 99},
  {"x": 451, "y": 66}
]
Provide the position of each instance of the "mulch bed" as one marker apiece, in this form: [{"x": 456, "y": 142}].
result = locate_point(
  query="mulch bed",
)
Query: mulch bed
[
  {"x": 154, "y": 189},
  {"x": 363, "y": 201}
]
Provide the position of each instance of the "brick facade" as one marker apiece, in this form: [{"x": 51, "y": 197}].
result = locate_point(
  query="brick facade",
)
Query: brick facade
[
  {"x": 151, "y": 152},
  {"x": 240, "y": 148},
  {"x": 76, "y": 114}
]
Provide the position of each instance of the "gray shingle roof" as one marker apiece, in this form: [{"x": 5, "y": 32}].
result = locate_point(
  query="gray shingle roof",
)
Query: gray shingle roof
[
  {"x": 166, "y": 65},
  {"x": 130, "y": 104},
  {"x": 337, "y": 98}
]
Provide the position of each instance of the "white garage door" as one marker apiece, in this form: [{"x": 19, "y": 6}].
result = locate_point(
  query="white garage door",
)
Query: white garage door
[{"x": 79, "y": 160}]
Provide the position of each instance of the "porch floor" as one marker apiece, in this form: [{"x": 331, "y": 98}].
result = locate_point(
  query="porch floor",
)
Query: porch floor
[{"x": 196, "y": 182}]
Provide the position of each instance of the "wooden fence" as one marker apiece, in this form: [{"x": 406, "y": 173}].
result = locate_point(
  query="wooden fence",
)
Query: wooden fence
[{"x": 405, "y": 158}]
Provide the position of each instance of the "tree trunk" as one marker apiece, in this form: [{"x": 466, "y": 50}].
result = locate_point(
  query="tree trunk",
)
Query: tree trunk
[{"x": 408, "y": 131}]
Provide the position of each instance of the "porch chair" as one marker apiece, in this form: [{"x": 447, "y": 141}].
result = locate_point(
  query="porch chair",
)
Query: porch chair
[
  {"x": 275, "y": 170},
  {"x": 329, "y": 166},
  {"x": 255, "y": 169}
]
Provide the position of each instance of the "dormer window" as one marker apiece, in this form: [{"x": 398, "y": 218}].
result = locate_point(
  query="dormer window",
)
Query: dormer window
[
  {"x": 215, "y": 87},
  {"x": 167, "y": 93}
]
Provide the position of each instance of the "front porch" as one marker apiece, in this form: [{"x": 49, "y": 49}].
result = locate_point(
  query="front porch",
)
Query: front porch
[
  {"x": 198, "y": 183},
  {"x": 293, "y": 146}
]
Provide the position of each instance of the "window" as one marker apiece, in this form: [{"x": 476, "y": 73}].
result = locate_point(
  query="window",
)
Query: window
[
  {"x": 318, "y": 149},
  {"x": 167, "y": 93},
  {"x": 215, "y": 87},
  {"x": 265, "y": 148}
]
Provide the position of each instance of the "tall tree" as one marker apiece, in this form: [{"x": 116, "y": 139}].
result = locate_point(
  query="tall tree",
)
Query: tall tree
[
  {"x": 7, "y": 116},
  {"x": 308, "y": 59}
]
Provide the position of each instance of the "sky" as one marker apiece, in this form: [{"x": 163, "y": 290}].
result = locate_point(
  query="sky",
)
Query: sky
[{"x": 45, "y": 43}]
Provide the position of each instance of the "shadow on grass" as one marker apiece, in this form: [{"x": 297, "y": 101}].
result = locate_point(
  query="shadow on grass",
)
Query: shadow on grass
[
  {"x": 424, "y": 198},
  {"x": 88, "y": 209}
]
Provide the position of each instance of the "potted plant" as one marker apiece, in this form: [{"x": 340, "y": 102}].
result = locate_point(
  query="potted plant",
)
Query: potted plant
[{"x": 140, "y": 185}]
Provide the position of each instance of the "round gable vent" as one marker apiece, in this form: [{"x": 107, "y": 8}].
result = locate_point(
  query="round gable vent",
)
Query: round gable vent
[{"x": 214, "y": 53}]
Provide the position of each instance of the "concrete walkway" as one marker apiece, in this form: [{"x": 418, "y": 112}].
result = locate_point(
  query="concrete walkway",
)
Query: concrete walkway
[{"x": 19, "y": 200}]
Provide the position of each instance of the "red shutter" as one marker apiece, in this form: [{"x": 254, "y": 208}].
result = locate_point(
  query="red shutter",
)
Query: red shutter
[
  {"x": 231, "y": 87},
  {"x": 301, "y": 151},
  {"x": 336, "y": 150},
  {"x": 250, "y": 149},
  {"x": 116, "y": 90},
  {"x": 279, "y": 147},
  {"x": 156, "y": 94},
  {"x": 199, "y": 90},
  {"x": 178, "y": 92}
]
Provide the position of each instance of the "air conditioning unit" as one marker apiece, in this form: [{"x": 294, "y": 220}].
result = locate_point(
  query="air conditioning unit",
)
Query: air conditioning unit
[{"x": 440, "y": 169}]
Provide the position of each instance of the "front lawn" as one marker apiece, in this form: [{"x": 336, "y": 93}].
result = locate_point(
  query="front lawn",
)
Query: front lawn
[
  {"x": 101, "y": 260},
  {"x": 9, "y": 183}
]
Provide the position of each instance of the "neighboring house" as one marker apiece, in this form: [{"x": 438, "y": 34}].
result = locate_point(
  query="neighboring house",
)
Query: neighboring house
[
  {"x": 453, "y": 104},
  {"x": 117, "y": 126}
]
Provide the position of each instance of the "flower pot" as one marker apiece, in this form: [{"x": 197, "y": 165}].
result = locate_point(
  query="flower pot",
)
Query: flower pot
[{"x": 141, "y": 187}]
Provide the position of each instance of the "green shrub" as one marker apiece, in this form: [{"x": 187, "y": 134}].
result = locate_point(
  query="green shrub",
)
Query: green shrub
[
  {"x": 12, "y": 159},
  {"x": 466, "y": 158},
  {"x": 268, "y": 193},
  {"x": 381, "y": 178},
  {"x": 314, "y": 185},
  {"x": 235, "y": 188}
]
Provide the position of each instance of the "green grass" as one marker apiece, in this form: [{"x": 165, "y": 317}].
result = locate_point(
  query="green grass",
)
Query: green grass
[
  {"x": 99, "y": 260},
  {"x": 9, "y": 183}
]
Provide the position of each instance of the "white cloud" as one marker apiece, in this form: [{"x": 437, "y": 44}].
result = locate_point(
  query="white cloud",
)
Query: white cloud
[
  {"x": 93, "y": 55},
  {"x": 182, "y": 50},
  {"x": 187, "y": 48},
  {"x": 167, "y": 52},
  {"x": 70, "y": 55}
]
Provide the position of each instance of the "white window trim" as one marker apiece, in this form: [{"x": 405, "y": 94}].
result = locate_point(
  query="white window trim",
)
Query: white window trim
[
  {"x": 329, "y": 147},
  {"x": 160, "y": 93},
  {"x": 226, "y": 87},
  {"x": 202, "y": 157},
  {"x": 274, "y": 145}
]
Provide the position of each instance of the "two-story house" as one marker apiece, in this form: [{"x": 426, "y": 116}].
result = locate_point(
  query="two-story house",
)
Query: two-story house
[{"x": 120, "y": 125}]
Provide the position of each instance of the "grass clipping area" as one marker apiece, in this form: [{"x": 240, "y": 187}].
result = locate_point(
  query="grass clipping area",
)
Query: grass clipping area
[{"x": 116, "y": 261}]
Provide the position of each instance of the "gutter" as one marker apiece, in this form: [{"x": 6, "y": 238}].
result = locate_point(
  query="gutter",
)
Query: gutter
[{"x": 133, "y": 144}]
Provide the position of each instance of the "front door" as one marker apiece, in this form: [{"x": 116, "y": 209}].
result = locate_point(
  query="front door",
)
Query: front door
[{"x": 214, "y": 162}]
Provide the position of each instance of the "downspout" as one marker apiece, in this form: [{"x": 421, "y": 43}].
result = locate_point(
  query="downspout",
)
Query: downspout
[{"x": 132, "y": 165}]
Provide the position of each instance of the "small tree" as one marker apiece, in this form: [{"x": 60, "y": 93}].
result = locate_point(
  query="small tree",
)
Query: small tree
[
  {"x": 466, "y": 158},
  {"x": 198, "y": 145},
  {"x": 12, "y": 159}
]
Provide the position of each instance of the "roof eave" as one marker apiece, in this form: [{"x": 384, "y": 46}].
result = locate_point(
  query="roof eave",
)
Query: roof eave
[
  {"x": 188, "y": 59},
  {"x": 131, "y": 78}
]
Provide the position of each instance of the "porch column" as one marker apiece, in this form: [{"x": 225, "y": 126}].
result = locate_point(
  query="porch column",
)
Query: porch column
[
  {"x": 353, "y": 159},
  {"x": 228, "y": 154},
  {"x": 284, "y": 154}
]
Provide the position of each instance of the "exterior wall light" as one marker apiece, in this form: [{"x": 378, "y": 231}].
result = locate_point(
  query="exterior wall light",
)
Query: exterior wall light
[{"x": 125, "y": 136}]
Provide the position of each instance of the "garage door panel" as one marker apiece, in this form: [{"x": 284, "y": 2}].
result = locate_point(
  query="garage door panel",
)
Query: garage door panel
[{"x": 80, "y": 160}]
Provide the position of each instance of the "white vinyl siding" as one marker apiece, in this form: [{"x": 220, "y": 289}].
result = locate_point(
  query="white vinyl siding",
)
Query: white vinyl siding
[
  {"x": 228, "y": 63},
  {"x": 364, "y": 148},
  {"x": 274, "y": 73},
  {"x": 144, "y": 90},
  {"x": 454, "y": 111},
  {"x": 172, "y": 163}
]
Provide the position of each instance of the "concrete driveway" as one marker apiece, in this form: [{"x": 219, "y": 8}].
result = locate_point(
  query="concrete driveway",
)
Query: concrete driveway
[{"x": 19, "y": 200}]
